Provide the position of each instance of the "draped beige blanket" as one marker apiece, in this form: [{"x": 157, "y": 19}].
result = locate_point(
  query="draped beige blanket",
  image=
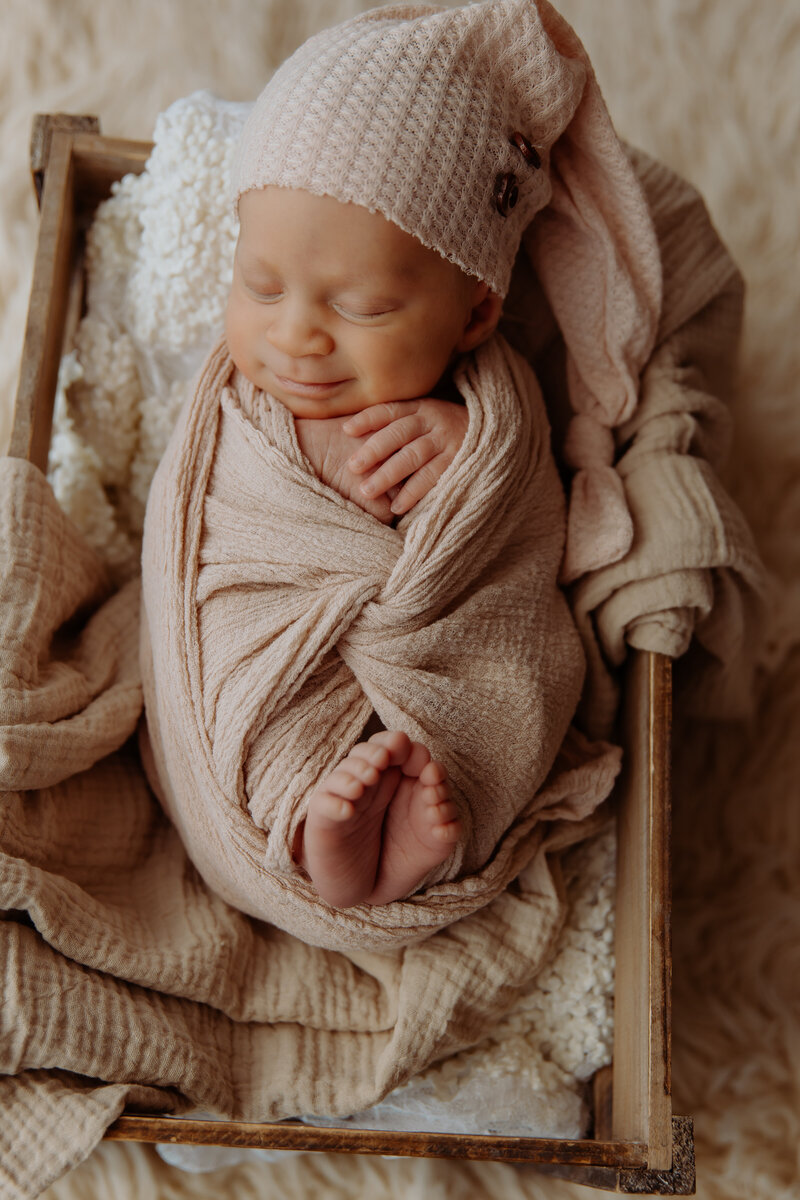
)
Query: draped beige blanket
[
  {"x": 280, "y": 615},
  {"x": 125, "y": 979}
]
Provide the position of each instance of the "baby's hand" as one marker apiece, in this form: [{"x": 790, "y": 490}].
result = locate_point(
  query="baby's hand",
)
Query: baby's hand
[
  {"x": 329, "y": 450},
  {"x": 416, "y": 440}
]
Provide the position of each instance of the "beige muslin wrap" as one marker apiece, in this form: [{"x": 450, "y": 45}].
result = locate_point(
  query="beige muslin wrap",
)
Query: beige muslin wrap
[{"x": 281, "y": 615}]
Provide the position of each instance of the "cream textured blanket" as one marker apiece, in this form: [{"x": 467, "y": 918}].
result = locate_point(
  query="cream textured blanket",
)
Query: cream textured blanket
[
  {"x": 125, "y": 979},
  {"x": 281, "y": 615}
]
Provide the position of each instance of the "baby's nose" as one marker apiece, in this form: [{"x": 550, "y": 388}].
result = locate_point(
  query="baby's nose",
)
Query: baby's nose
[{"x": 298, "y": 331}]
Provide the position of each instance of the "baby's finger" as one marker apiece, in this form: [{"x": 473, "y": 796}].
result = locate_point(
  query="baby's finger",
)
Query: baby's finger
[
  {"x": 419, "y": 484},
  {"x": 408, "y": 460},
  {"x": 369, "y": 419},
  {"x": 377, "y": 415},
  {"x": 385, "y": 442}
]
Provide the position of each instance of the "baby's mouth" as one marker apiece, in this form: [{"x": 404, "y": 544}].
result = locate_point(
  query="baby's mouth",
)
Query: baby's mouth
[{"x": 298, "y": 388}]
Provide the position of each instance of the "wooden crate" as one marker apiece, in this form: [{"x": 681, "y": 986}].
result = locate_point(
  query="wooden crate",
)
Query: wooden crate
[{"x": 637, "y": 1145}]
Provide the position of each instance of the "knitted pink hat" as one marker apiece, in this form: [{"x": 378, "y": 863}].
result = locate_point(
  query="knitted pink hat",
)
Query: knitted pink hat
[{"x": 461, "y": 125}]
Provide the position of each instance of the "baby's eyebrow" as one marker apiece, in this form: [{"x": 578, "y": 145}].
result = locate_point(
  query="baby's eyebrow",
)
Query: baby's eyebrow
[
  {"x": 252, "y": 259},
  {"x": 384, "y": 281},
  {"x": 375, "y": 280}
]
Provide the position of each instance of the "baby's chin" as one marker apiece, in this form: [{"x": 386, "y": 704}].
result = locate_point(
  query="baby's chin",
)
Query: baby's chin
[
  {"x": 327, "y": 407},
  {"x": 340, "y": 398},
  {"x": 316, "y": 410}
]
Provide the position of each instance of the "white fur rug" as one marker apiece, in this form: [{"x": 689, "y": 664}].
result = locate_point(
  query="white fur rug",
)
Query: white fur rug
[{"x": 711, "y": 87}]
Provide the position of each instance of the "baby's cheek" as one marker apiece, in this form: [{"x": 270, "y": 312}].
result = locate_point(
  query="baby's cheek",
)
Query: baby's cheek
[
  {"x": 426, "y": 370},
  {"x": 231, "y": 327},
  {"x": 239, "y": 339},
  {"x": 409, "y": 372}
]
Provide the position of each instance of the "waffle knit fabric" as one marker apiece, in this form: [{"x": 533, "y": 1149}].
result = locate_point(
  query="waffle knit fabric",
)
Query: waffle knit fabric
[{"x": 477, "y": 129}]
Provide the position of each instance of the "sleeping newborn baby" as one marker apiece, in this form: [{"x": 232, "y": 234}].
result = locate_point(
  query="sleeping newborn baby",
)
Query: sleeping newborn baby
[
  {"x": 359, "y": 668},
  {"x": 338, "y": 313}
]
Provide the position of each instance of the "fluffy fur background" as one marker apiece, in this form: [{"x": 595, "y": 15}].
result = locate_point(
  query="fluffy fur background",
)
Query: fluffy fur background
[{"x": 711, "y": 87}]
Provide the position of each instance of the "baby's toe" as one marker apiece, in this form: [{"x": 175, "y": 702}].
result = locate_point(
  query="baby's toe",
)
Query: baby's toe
[
  {"x": 329, "y": 806},
  {"x": 433, "y": 773},
  {"x": 398, "y": 744},
  {"x": 451, "y": 832},
  {"x": 361, "y": 767},
  {"x": 345, "y": 782},
  {"x": 437, "y": 794},
  {"x": 417, "y": 762},
  {"x": 371, "y": 753},
  {"x": 442, "y": 811}
]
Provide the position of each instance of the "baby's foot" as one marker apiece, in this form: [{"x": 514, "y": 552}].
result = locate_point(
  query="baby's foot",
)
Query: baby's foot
[
  {"x": 341, "y": 839},
  {"x": 355, "y": 846},
  {"x": 420, "y": 828}
]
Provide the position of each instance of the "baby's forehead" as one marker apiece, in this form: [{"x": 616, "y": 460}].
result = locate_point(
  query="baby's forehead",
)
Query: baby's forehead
[{"x": 299, "y": 224}]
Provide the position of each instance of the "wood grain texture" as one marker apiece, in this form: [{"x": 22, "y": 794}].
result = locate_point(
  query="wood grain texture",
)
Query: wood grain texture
[
  {"x": 602, "y": 1101},
  {"x": 43, "y": 128},
  {"x": 294, "y": 1135},
  {"x": 47, "y": 308},
  {"x": 641, "y": 1103},
  {"x": 73, "y": 168},
  {"x": 100, "y": 162},
  {"x": 679, "y": 1180}
]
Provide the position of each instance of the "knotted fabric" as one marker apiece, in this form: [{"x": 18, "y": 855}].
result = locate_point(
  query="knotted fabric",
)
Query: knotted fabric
[{"x": 280, "y": 616}]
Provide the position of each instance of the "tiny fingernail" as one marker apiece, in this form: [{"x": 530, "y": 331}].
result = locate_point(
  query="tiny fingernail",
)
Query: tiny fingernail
[{"x": 367, "y": 488}]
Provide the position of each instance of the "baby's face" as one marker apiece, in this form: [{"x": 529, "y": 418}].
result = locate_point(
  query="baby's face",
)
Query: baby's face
[{"x": 333, "y": 308}]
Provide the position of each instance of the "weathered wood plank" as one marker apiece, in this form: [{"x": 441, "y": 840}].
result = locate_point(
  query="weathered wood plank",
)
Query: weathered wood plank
[
  {"x": 602, "y": 1093},
  {"x": 99, "y": 163},
  {"x": 679, "y": 1180},
  {"x": 42, "y": 130},
  {"x": 641, "y": 1104},
  {"x": 47, "y": 309},
  {"x": 292, "y": 1135},
  {"x": 73, "y": 169}
]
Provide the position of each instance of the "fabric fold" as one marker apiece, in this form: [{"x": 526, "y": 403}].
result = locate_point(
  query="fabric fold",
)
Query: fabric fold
[
  {"x": 78, "y": 688},
  {"x": 691, "y": 567},
  {"x": 693, "y": 571}
]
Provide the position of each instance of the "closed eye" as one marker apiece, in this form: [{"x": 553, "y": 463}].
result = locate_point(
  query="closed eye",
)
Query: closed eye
[
  {"x": 263, "y": 295},
  {"x": 361, "y": 314}
]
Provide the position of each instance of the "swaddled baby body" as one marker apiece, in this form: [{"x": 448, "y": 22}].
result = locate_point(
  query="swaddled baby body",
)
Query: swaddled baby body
[{"x": 354, "y": 325}]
